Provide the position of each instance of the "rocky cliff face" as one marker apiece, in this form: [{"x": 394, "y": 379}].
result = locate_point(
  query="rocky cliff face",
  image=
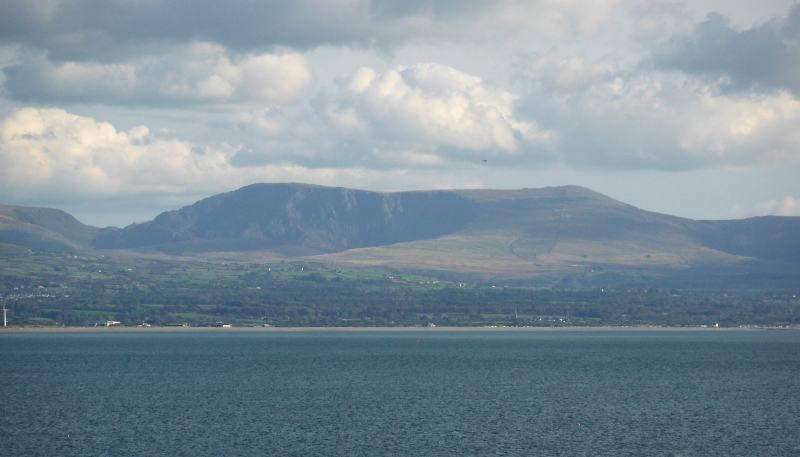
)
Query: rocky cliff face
[
  {"x": 325, "y": 219},
  {"x": 522, "y": 228}
]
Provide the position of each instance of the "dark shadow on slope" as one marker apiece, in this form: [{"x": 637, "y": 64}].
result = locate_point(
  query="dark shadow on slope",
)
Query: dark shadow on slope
[{"x": 325, "y": 219}]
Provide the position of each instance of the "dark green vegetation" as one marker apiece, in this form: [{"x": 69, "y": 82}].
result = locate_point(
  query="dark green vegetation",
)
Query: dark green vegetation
[{"x": 47, "y": 288}]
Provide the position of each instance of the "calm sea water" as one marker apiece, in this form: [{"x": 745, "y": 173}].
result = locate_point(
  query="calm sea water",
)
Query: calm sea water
[{"x": 565, "y": 393}]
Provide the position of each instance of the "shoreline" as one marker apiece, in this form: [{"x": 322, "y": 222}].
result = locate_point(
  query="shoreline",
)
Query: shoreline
[{"x": 119, "y": 329}]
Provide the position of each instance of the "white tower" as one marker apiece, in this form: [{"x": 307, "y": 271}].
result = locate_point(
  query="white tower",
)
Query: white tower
[{"x": 5, "y": 316}]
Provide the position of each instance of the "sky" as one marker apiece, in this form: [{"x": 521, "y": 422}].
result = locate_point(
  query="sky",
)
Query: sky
[{"x": 117, "y": 110}]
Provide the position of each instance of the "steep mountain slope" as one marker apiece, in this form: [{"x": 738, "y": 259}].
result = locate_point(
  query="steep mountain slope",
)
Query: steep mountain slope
[
  {"x": 299, "y": 218},
  {"x": 497, "y": 233},
  {"x": 504, "y": 231},
  {"x": 533, "y": 230},
  {"x": 573, "y": 233},
  {"x": 43, "y": 228},
  {"x": 770, "y": 237}
]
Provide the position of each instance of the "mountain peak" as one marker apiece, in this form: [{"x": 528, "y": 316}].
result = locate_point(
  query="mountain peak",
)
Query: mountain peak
[{"x": 514, "y": 231}]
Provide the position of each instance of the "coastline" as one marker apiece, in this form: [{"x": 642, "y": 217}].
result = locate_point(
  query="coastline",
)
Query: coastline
[{"x": 116, "y": 329}]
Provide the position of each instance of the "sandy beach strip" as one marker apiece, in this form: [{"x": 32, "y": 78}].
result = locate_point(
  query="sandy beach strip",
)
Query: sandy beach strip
[{"x": 119, "y": 329}]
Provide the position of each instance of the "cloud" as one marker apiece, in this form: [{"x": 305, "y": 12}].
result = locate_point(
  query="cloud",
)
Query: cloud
[
  {"x": 85, "y": 30},
  {"x": 787, "y": 206},
  {"x": 603, "y": 117},
  {"x": 200, "y": 74},
  {"x": 582, "y": 114},
  {"x": 52, "y": 157},
  {"x": 428, "y": 110},
  {"x": 50, "y": 152},
  {"x": 749, "y": 129},
  {"x": 765, "y": 57},
  {"x": 571, "y": 73},
  {"x": 709, "y": 97}
]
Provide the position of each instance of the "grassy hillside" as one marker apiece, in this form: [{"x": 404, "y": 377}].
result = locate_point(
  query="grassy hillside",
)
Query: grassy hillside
[
  {"x": 770, "y": 238},
  {"x": 536, "y": 231},
  {"x": 43, "y": 228},
  {"x": 552, "y": 234},
  {"x": 46, "y": 288}
]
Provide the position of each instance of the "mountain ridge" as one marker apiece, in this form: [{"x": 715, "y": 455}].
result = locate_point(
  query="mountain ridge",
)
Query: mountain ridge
[
  {"x": 511, "y": 233},
  {"x": 43, "y": 228},
  {"x": 323, "y": 219}
]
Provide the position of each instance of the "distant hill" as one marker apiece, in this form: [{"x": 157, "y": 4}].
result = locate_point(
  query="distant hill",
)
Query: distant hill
[
  {"x": 770, "y": 237},
  {"x": 497, "y": 233},
  {"x": 533, "y": 231},
  {"x": 298, "y": 217},
  {"x": 43, "y": 228}
]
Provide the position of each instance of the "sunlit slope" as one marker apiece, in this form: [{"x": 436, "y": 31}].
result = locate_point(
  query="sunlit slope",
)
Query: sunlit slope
[
  {"x": 494, "y": 232},
  {"x": 535, "y": 230}
]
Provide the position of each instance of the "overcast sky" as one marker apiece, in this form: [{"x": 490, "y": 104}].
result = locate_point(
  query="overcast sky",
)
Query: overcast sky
[{"x": 116, "y": 110}]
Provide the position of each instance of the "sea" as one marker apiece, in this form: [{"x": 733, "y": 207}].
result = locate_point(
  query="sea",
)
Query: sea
[{"x": 704, "y": 393}]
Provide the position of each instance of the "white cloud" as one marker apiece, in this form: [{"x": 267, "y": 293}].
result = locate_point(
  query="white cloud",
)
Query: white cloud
[
  {"x": 198, "y": 74},
  {"x": 51, "y": 157},
  {"x": 557, "y": 18},
  {"x": 787, "y": 206},
  {"x": 429, "y": 108},
  {"x": 570, "y": 73},
  {"x": 743, "y": 129},
  {"x": 52, "y": 153},
  {"x": 662, "y": 121}
]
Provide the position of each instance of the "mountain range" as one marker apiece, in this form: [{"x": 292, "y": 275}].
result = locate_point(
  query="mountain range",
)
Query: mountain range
[{"x": 497, "y": 233}]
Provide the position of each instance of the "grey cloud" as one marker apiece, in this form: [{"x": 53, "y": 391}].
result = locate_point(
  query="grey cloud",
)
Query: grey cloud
[
  {"x": 82, "y": 30},
  {"x": 201, "y": 74},
  {"x": 37, "y": 80},
  {"x": 112, "y": 31},
  {"x": 765, "y": 57},
  {"x": 444, "y": 8},
  {"x": 666, "y": 121}
]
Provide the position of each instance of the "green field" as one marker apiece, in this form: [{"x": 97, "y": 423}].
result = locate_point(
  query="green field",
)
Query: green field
[{"x": 44, "y": 288}]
